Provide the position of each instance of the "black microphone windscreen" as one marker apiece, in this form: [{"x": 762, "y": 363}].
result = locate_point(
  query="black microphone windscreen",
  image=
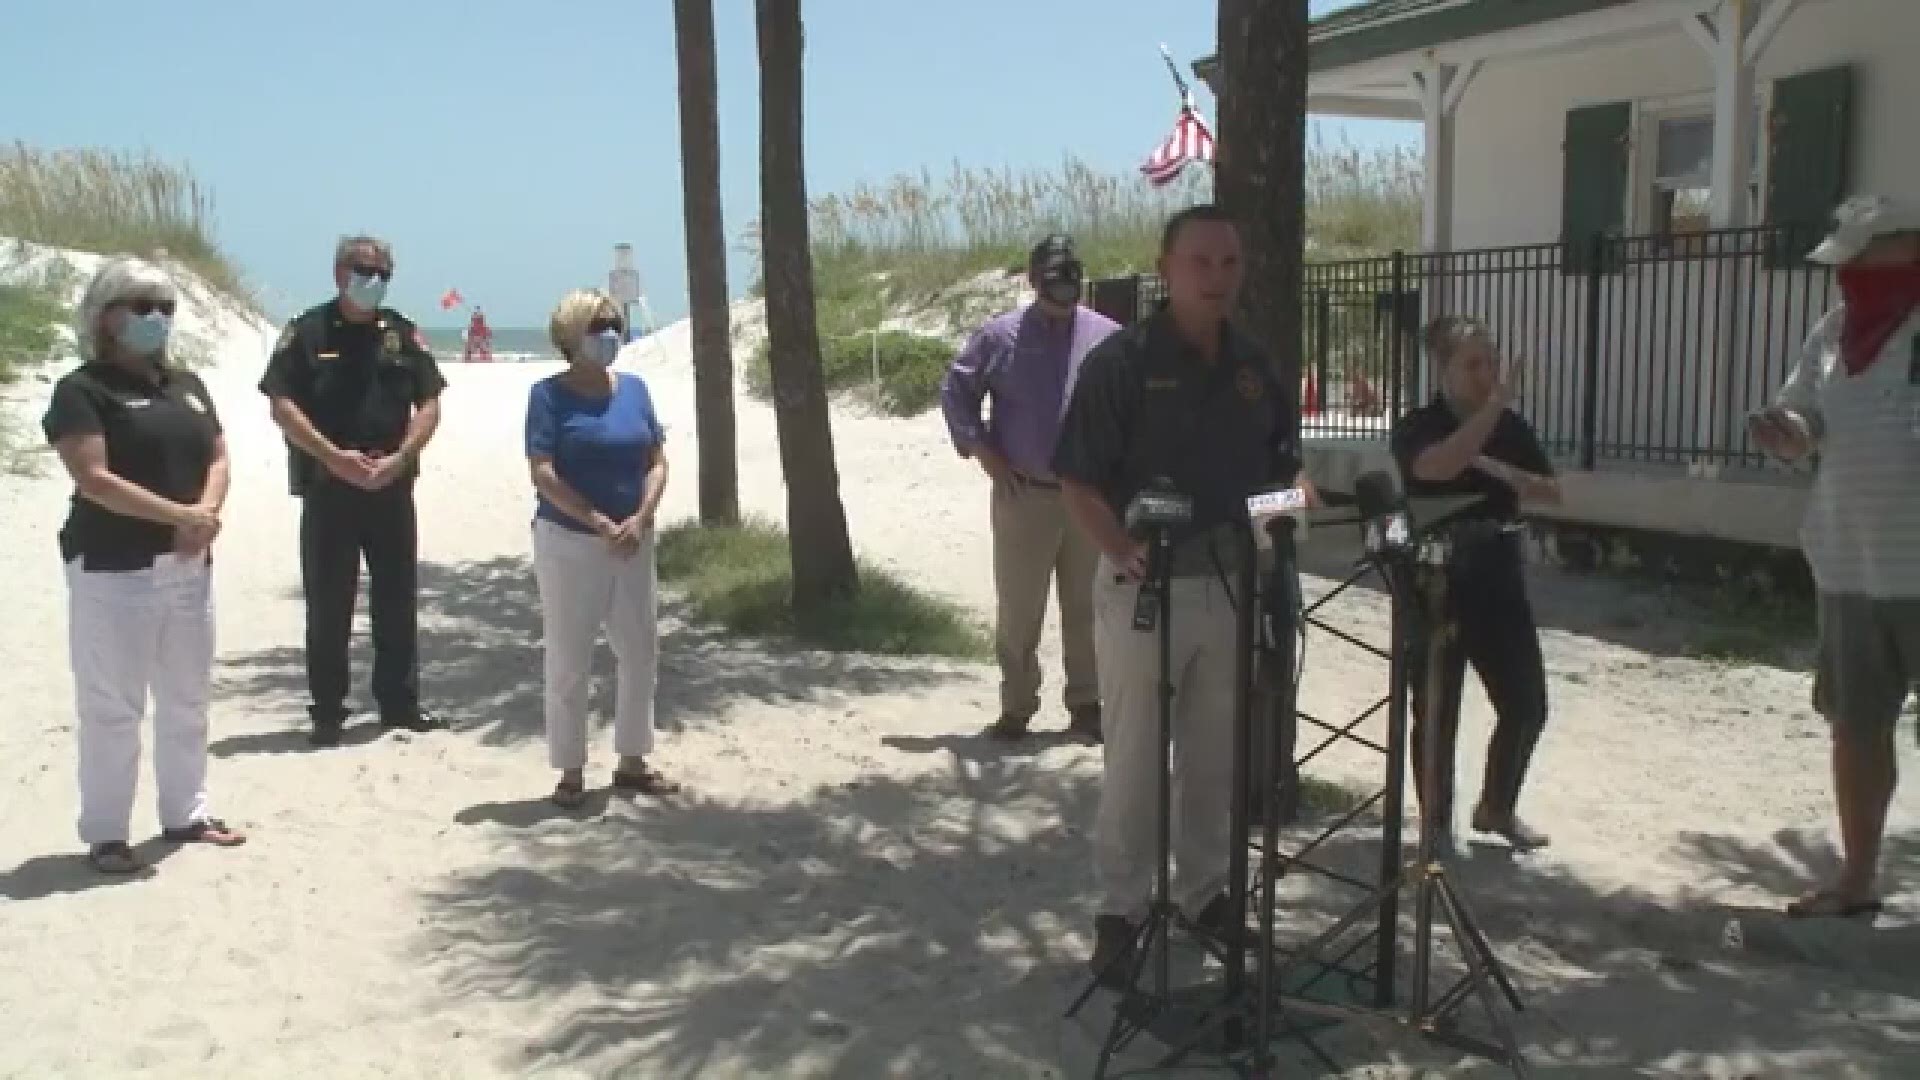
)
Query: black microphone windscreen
[{"x": 1374, "y": 493}]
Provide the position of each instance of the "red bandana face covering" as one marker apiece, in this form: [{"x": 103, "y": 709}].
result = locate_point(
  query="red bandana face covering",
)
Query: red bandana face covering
[{"x": 1878, "y": 299}]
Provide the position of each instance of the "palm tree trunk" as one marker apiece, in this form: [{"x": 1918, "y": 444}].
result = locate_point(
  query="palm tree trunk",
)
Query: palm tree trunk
[
  {"x": 1260, "y": 167},
  {"x": 706, "y": 263},
  {"x": 822, "y": 553}
]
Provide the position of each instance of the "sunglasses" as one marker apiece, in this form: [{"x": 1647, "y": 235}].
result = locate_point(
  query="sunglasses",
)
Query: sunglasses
[
  {"x": 601, "y": 326},
  {"x": 145, "y": 306},
  {"x": 380, "y": 272}
]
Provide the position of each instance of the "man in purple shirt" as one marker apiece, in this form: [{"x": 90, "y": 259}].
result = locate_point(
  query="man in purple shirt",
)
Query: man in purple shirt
[{"x": 1025, "y": 361}]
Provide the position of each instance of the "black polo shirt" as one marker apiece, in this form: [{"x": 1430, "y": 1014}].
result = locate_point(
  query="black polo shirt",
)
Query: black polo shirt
[
  {"x": 160, "y": 430},
  {"x": 1512, "y": 442},
  {"x": 1147, "y": 405},
  {"x": 359, "y": 383}
]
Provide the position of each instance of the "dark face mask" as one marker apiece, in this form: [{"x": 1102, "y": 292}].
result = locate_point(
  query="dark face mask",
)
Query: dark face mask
[{"x": 1061, "y": 284}]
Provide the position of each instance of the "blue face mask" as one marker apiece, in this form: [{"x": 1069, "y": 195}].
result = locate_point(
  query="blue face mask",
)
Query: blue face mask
[
  {"x": 144, "y": 335},
  {"x": 601, "y": 349},
  {"x": 366, "y": 292}
]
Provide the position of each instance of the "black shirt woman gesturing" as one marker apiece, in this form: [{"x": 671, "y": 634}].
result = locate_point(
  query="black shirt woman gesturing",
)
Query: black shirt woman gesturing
[{"x": 1469, "y": 442}]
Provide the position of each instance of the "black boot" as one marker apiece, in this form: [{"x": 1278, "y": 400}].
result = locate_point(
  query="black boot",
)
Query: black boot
[{"x": 1112, "y": 962}]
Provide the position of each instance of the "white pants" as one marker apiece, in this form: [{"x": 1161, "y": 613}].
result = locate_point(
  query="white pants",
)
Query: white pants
[
  {"x": 583, "y": 587},
  {"x": 1125, "y": 833},
  {"x": 128, "y": 634}
]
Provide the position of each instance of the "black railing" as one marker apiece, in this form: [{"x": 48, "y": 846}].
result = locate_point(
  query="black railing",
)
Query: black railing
[{"x": 1655, "y": 360}]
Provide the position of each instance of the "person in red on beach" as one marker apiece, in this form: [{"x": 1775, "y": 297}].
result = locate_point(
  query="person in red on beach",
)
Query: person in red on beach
[{"x": 479, "y": 340}]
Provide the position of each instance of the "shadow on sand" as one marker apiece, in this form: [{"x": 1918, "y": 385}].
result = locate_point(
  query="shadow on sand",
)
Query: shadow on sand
[
  {"x": 480, "y": 666},
  {"x": 936, "y": 926}
]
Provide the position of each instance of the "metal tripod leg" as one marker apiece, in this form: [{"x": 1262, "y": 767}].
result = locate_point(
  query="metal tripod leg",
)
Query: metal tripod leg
[
  {"x": 1154, "y": 933},
  {"x": 1482, "y": 968}
]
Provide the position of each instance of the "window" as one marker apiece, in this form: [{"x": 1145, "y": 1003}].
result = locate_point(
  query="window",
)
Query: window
[
  {"x": 1682, "y": 174},
  {"x": 1680, "y": 199}
]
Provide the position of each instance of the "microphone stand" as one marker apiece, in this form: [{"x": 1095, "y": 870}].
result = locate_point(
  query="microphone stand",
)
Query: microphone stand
[
  {"x": 1281, "y": 606},
  {"x": 1271, "y": 633},
  {"x": 1153, "y": 610},
  {"x": 1426, "y": 562}
]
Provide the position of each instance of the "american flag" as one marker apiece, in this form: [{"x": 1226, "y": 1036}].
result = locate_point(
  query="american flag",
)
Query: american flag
[{"x": 1189, "y": 141}]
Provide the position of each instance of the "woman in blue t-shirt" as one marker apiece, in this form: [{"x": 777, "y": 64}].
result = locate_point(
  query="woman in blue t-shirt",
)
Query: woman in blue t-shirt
[{"x": 594, "y": 447}]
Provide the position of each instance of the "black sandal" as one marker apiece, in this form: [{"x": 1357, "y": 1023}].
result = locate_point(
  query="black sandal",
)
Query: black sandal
[
  {"x": 114, "y": 857},
  {"x": 205, "y": 831}
]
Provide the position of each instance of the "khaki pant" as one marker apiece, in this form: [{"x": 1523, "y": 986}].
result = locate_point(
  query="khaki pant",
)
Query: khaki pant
[
  {"x": 1202, "y": 664},
  {"x": 1033, "y": 541}
]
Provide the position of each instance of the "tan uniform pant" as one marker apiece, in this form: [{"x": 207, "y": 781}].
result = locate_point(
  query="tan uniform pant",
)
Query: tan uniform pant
[
  {"x": 1125, "y": 839},
  {"x": 1034, "y": 541}
]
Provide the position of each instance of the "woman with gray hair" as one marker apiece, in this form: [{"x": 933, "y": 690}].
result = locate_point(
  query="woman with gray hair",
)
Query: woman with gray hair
[{"x": 149, "y": 465}]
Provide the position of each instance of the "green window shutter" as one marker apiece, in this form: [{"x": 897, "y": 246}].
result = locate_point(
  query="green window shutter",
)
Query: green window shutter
[
  {"x": 1593, "y": 198},
  {"x": 1811, "y": 139}
]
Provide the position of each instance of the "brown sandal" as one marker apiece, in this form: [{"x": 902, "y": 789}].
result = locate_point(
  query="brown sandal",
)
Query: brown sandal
[
  {"x": 569, "y": 794},
  {"x": 645, "y": 781},
  {"x": 114, "y": 857}
]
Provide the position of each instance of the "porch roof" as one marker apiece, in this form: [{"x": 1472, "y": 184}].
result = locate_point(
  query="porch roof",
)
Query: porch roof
[{"x": 1382, "y": 28}]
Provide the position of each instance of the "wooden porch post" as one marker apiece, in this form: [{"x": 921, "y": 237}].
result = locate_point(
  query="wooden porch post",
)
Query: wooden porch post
[
  {"x": 1439, "y": 88},
  {"x": 1734, "y": 38}
]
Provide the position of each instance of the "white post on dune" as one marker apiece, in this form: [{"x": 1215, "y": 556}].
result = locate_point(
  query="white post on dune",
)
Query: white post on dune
[{"x": 623, "y": 283}]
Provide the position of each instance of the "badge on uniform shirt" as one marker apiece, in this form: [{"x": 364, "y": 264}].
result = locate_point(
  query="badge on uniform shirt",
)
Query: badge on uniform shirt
[
  {"x": 1247, "y": 381},
  {"x": 389, "y": 341}
]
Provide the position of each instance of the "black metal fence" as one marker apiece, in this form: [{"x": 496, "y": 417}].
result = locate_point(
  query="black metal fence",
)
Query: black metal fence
[{"x": 1655, "y": 359}]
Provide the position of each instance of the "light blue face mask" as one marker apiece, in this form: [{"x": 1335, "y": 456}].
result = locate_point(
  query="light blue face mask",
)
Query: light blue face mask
[
  {"x": 601, "y": 349},
  {"x": 144, "y": 335},
  {"x": 366, "y": 292}
]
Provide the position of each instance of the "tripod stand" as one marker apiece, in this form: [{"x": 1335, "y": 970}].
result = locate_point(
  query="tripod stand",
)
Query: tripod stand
[
  {"x": 1136, "y": 1009},
  {"x": 1267, "y": 638},
  {"x": 1434, "y": 1016}
]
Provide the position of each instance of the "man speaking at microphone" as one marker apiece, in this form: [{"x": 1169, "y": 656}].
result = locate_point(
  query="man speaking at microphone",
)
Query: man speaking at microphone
[{"x": 1186, "y": 397}]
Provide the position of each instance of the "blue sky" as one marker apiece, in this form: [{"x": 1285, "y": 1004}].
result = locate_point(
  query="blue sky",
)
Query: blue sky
[{"x": 505, "y": 147}]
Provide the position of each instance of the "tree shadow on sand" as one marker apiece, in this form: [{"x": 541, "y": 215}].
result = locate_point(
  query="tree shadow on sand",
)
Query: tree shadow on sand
[
  {"x": 480, "y": 665},
  {"x": 937, "y": 925}
]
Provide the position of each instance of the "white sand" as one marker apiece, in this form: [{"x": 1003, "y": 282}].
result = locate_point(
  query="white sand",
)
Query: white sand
[{"x": 858, "y": 886}]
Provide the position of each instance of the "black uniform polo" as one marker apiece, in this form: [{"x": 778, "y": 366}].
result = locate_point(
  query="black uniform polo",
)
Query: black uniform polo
[
  {"x": 1148, "y": 405},
  {"x": 160, "y": 429},
  {"x": 358, "y": 383},
  {"x": 1512, "y": 443}
]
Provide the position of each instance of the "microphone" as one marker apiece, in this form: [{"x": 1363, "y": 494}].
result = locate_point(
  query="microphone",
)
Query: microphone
[
  {"x": 1384, "y": 527},
  {"x": 1276, "y": 514}
]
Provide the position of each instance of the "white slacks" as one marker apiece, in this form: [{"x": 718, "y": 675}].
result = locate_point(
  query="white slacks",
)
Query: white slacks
[
  {"x": 129, "y": 634},
  {"x": 583, "y": 587}
]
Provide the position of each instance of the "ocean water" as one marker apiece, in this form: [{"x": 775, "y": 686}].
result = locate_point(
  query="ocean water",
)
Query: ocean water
[{"x": 511, "y": 344}]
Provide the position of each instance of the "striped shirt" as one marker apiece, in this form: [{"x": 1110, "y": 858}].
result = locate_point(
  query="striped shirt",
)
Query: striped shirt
[{"x": 1862, "y": 529}]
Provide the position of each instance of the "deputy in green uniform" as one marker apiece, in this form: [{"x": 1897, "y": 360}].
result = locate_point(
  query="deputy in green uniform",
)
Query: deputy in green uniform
[{"x": 357, "y": 393}]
